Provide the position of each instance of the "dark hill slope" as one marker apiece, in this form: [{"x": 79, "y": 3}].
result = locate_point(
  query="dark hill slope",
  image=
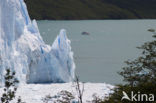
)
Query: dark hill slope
[{"x": 91, "y": 9}]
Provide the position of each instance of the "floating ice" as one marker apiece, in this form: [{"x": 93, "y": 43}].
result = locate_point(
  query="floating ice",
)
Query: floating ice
[{"x": 23, "y": 50}]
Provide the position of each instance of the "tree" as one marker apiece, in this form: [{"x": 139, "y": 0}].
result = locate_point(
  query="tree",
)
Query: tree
[
  {"x": 10, "y": 87},
  {"x": 140, "y": 74},
  {"x": 142, "y": 69},
  {"x": 79, "y": 90}
]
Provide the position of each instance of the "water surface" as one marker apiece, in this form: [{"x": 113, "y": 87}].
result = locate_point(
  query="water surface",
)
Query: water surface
[{"x": 100, "y": 55}]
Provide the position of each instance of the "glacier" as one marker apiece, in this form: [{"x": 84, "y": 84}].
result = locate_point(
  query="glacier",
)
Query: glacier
[{"x": 23, "y": 50}]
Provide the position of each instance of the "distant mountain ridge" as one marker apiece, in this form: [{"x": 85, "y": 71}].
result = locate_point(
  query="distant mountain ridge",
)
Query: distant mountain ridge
[{"x": 91, "y": 9}]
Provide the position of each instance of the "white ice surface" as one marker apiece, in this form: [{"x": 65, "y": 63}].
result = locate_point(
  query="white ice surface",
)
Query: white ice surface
[
  {"x": 34, "y": 93},
  {"x": 23, "y": 50}
]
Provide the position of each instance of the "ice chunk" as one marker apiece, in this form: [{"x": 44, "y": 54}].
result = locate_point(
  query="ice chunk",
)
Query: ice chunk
[{"x": 23, "y": 50}]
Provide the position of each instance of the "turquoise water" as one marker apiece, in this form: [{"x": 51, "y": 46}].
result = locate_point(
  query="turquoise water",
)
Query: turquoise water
[{"x": 100, "y": 55}]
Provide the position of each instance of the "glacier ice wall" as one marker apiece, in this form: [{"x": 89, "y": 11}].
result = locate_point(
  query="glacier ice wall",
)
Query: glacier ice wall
[{"x": 23, "y": 50}]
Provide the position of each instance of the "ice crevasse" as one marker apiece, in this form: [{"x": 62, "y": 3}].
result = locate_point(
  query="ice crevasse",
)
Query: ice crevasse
[{"x": 23, "y": 50}]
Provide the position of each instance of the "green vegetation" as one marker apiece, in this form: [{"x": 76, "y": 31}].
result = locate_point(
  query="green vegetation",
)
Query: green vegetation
[
  {"x": 91, "y": 9},
  {"x": 145, "y": 88},
  {"x": 61, "y": 97},
  {"x": 140, "y": 75},
  {"x": 10, "y": 88}
]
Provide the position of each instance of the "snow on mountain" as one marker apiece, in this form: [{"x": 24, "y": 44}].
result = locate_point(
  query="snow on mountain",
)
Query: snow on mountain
[{"x": 23, "y": 50}]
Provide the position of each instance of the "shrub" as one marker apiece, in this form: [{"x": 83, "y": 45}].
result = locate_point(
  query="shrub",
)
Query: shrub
[
  {"x": 10, "y": 88},
  {"x": 139, "y": 74},
  {"x": 61, "y": 97}
]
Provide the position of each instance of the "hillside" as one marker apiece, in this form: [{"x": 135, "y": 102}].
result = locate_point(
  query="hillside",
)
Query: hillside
[{"x": 91, "y": 9}]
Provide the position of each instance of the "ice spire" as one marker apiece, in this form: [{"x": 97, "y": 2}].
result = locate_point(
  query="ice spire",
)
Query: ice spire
[{"x": 23, "y": 50}]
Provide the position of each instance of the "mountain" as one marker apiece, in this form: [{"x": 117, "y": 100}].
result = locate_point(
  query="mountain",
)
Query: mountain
[{"x": 91, "y": 9}]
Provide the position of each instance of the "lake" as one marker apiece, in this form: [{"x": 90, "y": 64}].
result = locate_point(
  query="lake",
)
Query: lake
[{"x": 100, "y": 55}]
